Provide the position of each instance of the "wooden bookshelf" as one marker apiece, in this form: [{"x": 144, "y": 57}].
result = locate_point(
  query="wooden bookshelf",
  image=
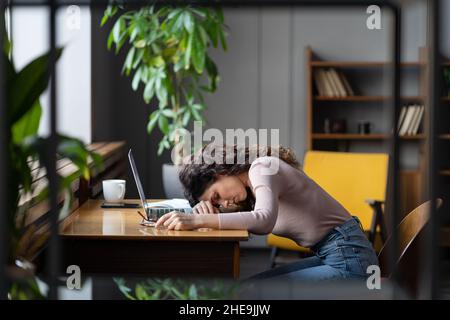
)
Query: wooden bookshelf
[
  {"x": 365, "y": 98},
  {"x": 418, "y": 136},
  {"x": 445, "y": 172},
  {"x": 314, "y": 99},
  {"x": 320, "y": 106},
  {"x": 348, "y": 136},
  {"x": 352, "y": 108},
  {"x": 360, "y": 64},
  {"x": 357, "y": 136},
  {"x": 360, "y": 98}
]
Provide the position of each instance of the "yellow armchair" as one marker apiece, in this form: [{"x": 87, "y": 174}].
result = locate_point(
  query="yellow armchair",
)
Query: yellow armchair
[{"x": 357, "y": 180}]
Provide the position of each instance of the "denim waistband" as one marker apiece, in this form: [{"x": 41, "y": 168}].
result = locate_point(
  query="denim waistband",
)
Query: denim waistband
[{"x": 341, "y": 229}]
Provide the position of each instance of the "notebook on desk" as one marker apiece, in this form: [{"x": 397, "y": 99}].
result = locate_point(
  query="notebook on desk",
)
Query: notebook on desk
[{"x": 154, "y": 210}]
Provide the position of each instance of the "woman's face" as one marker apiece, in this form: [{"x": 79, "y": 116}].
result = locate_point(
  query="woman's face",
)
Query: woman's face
[{"x": 226, "y": 191}]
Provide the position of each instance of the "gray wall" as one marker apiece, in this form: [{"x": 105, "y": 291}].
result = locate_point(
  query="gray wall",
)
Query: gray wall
[{"x": 263, "y": 80}]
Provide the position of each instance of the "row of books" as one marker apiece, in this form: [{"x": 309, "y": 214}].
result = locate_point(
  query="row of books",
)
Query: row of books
[
  {"x": 410, "y": 119},
  {"x": 332, "y": 83}
]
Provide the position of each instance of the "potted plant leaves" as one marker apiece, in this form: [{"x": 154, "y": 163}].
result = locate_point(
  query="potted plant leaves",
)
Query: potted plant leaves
[{"x": 168, "y": 60}]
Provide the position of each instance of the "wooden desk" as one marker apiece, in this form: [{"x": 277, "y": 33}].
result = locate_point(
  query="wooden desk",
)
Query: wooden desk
[{"x": 111, "y": 241}]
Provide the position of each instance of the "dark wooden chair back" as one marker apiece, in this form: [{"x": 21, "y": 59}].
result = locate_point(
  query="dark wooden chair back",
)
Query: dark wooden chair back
[{"x": 408, "y": 231}]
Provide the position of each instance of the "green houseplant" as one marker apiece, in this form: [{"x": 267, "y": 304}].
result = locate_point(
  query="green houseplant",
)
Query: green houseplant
[
  {"x": 25, "y": 147},
  {"x": 168, "y": 60},
  {"x": 179, "y": 289}
]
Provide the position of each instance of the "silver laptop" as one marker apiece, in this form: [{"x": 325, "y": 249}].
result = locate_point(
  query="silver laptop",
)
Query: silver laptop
[{"x": 153, "y": 212}]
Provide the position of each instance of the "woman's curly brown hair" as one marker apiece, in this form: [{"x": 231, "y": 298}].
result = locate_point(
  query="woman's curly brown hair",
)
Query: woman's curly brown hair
[{"x": 201, "y": 170}]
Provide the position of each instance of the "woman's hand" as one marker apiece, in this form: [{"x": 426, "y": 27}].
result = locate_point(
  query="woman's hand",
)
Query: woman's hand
[
  {"x": 205, "y": 207},
  {"x": 184, "y": 221}
]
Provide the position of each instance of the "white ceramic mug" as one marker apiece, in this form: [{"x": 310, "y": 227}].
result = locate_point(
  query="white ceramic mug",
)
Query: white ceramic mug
[{"x": 114, "y": 190}]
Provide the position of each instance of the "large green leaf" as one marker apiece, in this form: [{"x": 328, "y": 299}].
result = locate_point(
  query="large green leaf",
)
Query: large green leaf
[
  {"x": 149, "y": 90},
  {"x": 198, "y": 51},
  {"x": 140, "y": 53},
  {"x": 141, "y": 294},
  {"x": 109, "y": 13},
  {"x": 219, "y": 14},
  {"x": 223, "y": 41},
  {"x": 129, "y": 61},
  {"x": 177, "y": 25},
  {"x": 163, "y": 124},
  {"x": 169, "y": 113},
  {"x": 186, "y": 118},
  {"x": 27, "y": 86},
  {"x": 213, "y": 74},
  {"x": 7, "y": 47},
  {"x": 136, "y": 79},
  {"x": 118, "y": 29},
  {"x": 189, "y": 22},
  {"x": 212, "y": 29},
  {"x": 74, "y": 150},
  {"x": 153, "y": 121},
  {"x": 27, "y": 125},
  {"x": 187, "y": 54},
  {"x": 110, "y": 40},
  {"x": 123, "y": 288},
  {"x": 161, "y": 93},
  {"x": 174, "y": 13}
]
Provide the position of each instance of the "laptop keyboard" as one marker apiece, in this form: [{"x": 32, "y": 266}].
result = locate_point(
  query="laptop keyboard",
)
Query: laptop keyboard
[{"x": 162, "y": 211}]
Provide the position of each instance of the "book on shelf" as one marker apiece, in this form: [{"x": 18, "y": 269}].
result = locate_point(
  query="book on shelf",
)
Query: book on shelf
[
  {"x": 347, "y": 85},
  {"x": 338, "y": 82},
  {"x": 410, "y": 119},
  {"x": 407, "y": 120},
  {"x": 415, "y": 129},
  {"x": 331, "y": 83},
  {"x": 320, "y": 86},
  {"x": 329, "y": 88},
  {"x": 401, "y": 118}
]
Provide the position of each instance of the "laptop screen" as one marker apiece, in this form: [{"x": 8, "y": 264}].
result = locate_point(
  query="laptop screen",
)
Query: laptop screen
[{"x": 136, "y": 178}]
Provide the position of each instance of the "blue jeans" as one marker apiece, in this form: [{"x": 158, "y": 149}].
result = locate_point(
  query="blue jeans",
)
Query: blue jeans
[{"x": 343, "y": 253}]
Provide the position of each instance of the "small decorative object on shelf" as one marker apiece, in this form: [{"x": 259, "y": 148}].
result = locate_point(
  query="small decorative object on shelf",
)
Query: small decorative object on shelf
[
  {"x": 335, "y": 125},
  {"x": 364, "y": 127}
]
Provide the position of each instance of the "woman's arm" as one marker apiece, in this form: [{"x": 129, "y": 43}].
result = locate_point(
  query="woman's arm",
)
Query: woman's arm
[
  {"x": 182, "y": 221},
  {"x": 259, "y": 221},
  {"x": 204, "y": 207},
  {"x": 267, "y": 186}
]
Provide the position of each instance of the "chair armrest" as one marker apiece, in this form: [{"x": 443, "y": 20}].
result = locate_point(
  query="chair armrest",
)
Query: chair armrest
[
  {"x": 377, "y": 219},
  {"x": 373, "y": 202}
]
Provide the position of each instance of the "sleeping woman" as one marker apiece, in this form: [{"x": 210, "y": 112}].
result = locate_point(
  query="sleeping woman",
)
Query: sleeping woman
[{"x": 251, "y": 195}]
